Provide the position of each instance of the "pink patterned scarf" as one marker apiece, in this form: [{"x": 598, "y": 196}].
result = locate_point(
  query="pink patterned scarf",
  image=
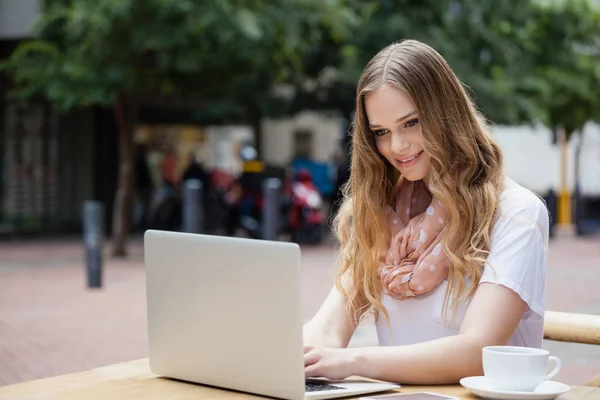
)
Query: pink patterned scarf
[{"x": 415, "y": 262}]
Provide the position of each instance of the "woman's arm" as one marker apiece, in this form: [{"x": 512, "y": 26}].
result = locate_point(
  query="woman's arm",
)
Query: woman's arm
[
  {"x": 332, "y": 326},
  {"x": 491, "y": 319}
]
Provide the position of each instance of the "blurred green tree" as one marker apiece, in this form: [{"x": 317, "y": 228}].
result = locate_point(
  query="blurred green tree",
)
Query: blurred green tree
[
  {"x": 539, "y": 64},
  {"x": 561, "y": 56},
  {"x": 216, "y": 53},
  {"x": 480, "y": 40}
]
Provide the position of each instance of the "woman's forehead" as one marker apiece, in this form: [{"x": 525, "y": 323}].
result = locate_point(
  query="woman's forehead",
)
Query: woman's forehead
[{"x": 388, "y": 105}]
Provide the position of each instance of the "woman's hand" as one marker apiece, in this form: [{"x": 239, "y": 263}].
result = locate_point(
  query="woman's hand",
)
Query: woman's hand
[{"x": 328, "y": 363}]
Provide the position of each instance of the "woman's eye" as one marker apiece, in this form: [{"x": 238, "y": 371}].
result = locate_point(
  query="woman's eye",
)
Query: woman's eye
[
  {"x": 411, "y": 123},
  {"x": 379, "y": 132}
]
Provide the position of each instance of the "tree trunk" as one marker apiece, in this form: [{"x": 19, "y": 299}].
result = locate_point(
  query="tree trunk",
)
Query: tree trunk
[
  {"x": 123, "y": 196},
  {"x": 578, "y": 156},
  {"x": 578, "y": 212}
]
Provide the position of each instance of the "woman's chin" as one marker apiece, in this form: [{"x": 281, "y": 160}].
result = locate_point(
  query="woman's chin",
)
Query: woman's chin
[
  {"x": 416, "y": 172},
  {"x": 413, "y": 176}
]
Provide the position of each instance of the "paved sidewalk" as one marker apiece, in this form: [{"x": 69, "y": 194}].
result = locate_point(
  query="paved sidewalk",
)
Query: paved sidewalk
[{"x": 51, "y": 324}]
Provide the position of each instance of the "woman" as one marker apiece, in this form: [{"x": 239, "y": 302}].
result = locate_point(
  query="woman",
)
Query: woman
[{"x": 446, "y": 253}]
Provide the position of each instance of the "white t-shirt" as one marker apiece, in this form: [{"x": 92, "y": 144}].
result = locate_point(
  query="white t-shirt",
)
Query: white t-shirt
[{"x": 517, "y": 260}]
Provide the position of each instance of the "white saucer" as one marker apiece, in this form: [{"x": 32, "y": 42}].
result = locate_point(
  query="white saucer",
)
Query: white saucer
[{"x": 481, "y": 386}]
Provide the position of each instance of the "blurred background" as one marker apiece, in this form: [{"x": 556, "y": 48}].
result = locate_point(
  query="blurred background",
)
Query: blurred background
[{"x": 232, "y": 118}]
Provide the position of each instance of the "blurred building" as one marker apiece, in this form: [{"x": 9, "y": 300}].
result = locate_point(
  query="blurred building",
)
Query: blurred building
[
  {"x": 312, "y": 135},
  {"x": 17, "y": 18},
  {"x": 533, "y": 161},
  {"x": 49, "y": 164}
]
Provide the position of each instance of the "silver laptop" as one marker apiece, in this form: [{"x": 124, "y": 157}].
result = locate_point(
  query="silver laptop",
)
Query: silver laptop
[{"x": 226, "y": 312}]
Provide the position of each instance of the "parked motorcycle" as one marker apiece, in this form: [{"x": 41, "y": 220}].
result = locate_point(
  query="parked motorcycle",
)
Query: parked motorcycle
[{"x": 306, "y": 215}]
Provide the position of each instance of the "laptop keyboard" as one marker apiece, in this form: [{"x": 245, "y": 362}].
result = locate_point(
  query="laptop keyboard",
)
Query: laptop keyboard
[{"x": 312, "y": 386}]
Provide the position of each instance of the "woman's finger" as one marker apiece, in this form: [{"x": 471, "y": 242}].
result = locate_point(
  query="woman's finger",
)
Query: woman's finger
[
  {"x": 311, "y": 357},
  {"x": 313, "y": 371}
]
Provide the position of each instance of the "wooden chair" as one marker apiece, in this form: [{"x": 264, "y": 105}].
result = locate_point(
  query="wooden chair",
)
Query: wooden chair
[{"x": 573, "y": 328}]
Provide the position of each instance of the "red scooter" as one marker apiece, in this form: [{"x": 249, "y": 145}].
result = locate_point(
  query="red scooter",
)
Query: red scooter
[{"x": 306, "y": 214}]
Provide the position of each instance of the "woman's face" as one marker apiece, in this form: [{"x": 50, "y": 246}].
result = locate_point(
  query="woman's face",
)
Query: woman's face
[{"x": 394, "y": 122}]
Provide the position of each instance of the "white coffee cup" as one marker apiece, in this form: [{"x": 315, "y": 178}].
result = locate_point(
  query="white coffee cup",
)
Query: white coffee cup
[{"x": 519, "y": 369}]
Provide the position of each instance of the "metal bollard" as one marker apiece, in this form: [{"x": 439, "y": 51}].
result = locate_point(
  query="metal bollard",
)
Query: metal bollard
[
  {"x": 552, "y": 209},
  {"x": 271, "y": 189},
  {"x": 93, "y": 233},
  {"x": 192, "y": 206},
  {"x": 578, "y": 211}
]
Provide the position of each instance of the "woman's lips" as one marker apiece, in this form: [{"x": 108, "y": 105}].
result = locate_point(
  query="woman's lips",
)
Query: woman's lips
[{"x": 409, "y": 161}]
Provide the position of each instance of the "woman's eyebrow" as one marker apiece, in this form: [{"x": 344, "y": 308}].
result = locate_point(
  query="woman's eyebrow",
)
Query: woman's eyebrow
[{"x": 410, "y": 114}]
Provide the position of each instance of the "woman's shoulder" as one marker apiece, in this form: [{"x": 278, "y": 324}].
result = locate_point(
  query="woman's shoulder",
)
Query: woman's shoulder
[
  {"x": 519, "y": 245},
  {"x": 521, "y": 207}
]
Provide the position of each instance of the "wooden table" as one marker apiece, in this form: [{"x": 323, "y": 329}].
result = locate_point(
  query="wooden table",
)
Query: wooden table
[{"x": 133, "y": 380}]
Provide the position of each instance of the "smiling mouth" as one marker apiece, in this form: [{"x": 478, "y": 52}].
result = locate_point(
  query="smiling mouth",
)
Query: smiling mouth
[
  {"x": 406, "y": 162},
  {"x": 411, "y": 158}
]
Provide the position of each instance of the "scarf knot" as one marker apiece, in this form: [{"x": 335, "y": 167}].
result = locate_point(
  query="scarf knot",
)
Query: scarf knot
[{"x": 415, "y": 262}]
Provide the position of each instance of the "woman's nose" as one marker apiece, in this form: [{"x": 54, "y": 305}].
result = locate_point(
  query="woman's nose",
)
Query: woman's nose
[{"x": 399, "y": 143}]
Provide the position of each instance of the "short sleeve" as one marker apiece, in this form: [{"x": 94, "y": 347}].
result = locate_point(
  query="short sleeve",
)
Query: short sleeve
[{"x": 519, "y": 252}]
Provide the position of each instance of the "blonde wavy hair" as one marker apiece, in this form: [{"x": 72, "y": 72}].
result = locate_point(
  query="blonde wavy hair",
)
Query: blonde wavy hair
[{"x": 466, "y": 176}]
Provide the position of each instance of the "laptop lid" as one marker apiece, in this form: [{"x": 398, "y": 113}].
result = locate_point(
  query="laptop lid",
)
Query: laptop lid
[{"x": 225, "y": 312}]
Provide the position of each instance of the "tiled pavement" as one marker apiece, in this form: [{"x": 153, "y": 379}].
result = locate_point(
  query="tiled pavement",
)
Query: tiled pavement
[{"x": 51, "y": 324}]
